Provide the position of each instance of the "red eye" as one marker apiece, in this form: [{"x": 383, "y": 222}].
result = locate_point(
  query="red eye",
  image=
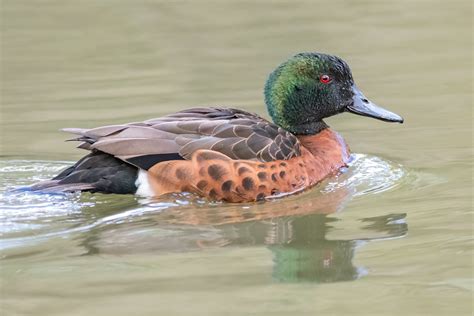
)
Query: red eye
[{"x": 325, "y": 79}]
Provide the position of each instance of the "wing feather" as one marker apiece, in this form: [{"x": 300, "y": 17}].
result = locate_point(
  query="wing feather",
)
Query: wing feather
[{"x": 235, "y": 133}]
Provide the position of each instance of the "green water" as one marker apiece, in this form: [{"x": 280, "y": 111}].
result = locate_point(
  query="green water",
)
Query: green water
[{"x": 391, "y": 235}]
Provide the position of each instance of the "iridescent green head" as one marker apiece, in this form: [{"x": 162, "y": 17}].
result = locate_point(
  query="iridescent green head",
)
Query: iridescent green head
[{"x": 309, "y": 87}]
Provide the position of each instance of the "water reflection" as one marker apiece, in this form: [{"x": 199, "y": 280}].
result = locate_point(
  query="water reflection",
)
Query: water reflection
[
  {"x": 296, "y": 234},
  {"x": 300, "y": 247},
  {"x": 301, "y": 251}
]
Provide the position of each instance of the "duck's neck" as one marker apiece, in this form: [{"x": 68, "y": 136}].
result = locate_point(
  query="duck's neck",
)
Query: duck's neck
[
  {"x": 309, "y": 128},
  {"x": 326, "y": 145}
]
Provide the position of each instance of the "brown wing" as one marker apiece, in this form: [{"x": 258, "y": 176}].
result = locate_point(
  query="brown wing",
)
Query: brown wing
[{"x": 235, "y": 133}]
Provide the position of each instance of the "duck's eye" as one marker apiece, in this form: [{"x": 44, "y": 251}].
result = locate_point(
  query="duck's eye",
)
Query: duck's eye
[{"x": 325, "y": 79}]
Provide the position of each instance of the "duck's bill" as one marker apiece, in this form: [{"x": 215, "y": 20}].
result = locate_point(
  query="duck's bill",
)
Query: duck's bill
[{"x": 362, "y": 106}]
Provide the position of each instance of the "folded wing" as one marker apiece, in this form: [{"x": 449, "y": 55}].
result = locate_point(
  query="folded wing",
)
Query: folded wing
[{"x": 235, "y": 133}]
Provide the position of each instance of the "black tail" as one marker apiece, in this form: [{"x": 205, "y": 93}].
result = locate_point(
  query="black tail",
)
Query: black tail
[{"x": 96, "y": 172}]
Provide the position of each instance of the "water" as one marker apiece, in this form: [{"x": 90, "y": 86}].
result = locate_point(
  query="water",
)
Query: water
[{"x": 392, "y": 234}]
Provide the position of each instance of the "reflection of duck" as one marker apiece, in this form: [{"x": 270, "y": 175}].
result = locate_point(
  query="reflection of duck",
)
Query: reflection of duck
[
  {"x": 295, "y": 233},
  {"x": 300, "y": 248},
  {"x": 308, "y": 203},
  {"x": 229, "y": 154},
  {"x": 305, "y": 254}
]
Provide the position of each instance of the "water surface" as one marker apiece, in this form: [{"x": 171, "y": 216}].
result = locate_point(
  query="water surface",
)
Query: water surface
[{"x": 392, "y": 234}]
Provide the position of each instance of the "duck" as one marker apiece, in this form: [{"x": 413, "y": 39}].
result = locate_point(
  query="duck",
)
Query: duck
[{"x": 227, "y": 154}]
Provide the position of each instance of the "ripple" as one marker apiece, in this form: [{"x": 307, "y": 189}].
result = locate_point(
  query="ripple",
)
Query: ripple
[
  {"x": 367, "y": 175},
  {"x": 24, "y": 213},
  {"x": 16, "y": 202},
  {"x": 28, "y": 217}
]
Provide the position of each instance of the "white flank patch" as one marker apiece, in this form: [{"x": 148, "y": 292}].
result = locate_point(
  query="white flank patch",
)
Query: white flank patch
[{"x": 143, "y": 185}]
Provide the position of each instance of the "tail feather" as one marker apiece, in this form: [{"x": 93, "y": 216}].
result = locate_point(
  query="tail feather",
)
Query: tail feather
[
  {"x": 54, "y": 186},
  {"x": 74, "y": 130},
  {"x": 96, "y": 172}
]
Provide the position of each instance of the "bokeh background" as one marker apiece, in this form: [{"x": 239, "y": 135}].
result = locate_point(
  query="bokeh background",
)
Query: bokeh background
[{"x": 91, "y": 63}]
